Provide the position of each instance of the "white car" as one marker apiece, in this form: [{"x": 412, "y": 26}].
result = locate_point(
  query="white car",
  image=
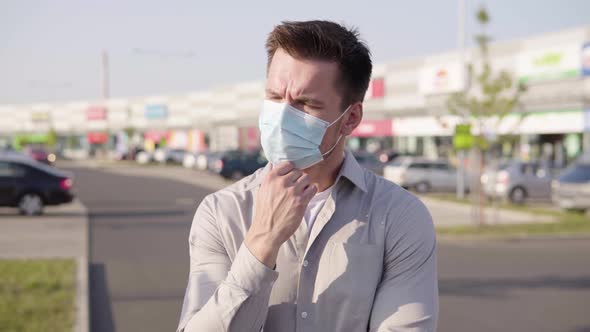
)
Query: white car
[{"x": 422, "y": 175}]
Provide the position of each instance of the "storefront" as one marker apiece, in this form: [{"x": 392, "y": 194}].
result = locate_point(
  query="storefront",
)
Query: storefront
[
  {"x": 372, "y": 136},
  {"x": 427, "y": 136}
]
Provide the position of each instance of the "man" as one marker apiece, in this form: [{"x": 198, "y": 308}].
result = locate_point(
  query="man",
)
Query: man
[{"x": 312, "y": 242}]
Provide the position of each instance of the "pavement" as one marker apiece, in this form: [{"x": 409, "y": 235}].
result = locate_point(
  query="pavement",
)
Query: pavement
[
  {"x": 444, "y": 213},
  {"x": 139, "y": 262},
  {"x": 62, "y": 232}
]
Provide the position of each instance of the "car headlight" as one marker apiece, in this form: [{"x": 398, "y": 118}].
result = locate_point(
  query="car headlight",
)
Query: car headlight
[{"x": 51, "y": 158}]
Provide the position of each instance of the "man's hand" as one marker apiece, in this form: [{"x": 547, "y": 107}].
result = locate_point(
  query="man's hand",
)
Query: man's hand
[{"x": 281, "y": 201}]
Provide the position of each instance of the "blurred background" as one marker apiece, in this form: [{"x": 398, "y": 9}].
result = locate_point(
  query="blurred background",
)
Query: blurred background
[{"x": 118, "y": 117}]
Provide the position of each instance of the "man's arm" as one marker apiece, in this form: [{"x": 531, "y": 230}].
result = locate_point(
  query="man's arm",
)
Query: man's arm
[
  {"x": 407, "y": 297},
  {"x": 225, "y": 296},
  {"x": 221, "y": 295}
]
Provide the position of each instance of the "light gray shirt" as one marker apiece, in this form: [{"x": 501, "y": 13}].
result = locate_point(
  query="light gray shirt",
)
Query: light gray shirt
[{"x": 367, "y": 264}]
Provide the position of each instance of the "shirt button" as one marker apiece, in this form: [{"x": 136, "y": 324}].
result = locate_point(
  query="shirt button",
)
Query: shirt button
[
  {"x": 304, "y": 315},
  {"x": 305, "y": 263}
]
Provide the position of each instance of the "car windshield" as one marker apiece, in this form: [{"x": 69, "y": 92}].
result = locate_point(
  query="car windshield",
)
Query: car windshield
[{"x": 576, "y": 174}]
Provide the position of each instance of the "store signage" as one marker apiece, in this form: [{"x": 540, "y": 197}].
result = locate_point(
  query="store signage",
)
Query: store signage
[
  {"x": 559, "y": 62},
  {"x": 374, "y": 128},
  {"x": 156, "y": 111},
  {"x": 97, "y": 137},
  {"x": 94, "y": 113},
  {"x": 39, "y": 116},
  {"x": 444, "y": 78},
  {"x": 376, "y": 88},
  {"x": 463, "y": 139}
]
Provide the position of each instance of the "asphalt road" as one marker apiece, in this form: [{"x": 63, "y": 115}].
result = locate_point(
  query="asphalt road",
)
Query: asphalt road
[{"x": 139, "y": 264}]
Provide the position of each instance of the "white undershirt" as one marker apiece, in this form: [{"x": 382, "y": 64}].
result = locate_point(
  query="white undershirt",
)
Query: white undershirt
[{"x": 315, "y": 206}]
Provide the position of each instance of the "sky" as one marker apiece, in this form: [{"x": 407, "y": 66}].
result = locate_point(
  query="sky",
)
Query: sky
[{"x": 50, "y": 50}]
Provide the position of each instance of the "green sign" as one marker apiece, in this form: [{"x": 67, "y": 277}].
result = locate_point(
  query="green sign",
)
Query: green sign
[{"x": 463, "y": 139}]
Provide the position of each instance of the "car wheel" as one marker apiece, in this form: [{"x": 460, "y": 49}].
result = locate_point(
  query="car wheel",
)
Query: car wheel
[
  {"x": 518, "y": 196},
  {"x": 30, "y": 204},
  {"x": 422, "y": 187}
]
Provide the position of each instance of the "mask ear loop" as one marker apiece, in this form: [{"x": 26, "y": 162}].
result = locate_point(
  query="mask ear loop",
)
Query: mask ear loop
[{"x": 339, "y": 137}]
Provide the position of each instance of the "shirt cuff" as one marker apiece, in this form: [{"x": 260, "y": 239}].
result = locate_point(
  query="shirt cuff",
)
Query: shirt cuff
[{"x": 248, "y": 273}]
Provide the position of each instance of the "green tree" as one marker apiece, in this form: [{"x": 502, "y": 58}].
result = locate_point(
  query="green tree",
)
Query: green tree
[
  {"x": 51, "y": 138},
  {"x": 489, "y": 97}
]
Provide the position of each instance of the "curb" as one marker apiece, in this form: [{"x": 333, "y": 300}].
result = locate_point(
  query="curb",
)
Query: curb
[
  {"x": 514, "y": 237},
  {"x": 83, "y": 292}
]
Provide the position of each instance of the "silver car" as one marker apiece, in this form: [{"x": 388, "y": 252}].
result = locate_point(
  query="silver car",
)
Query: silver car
[
  {"x": 422, "y": 175},
  {"x": 571, "y": 191},
  {"x": 517, "y": 182}
]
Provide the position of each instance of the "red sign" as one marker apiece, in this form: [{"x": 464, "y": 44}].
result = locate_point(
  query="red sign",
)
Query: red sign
[
  {"x": 98, "y": 138},
  {"x": 96, "y": 113},
  {"x": 374, "y": 128},
  {"x": 377, "y": 88},
  {"x": 156, "y": 135}
]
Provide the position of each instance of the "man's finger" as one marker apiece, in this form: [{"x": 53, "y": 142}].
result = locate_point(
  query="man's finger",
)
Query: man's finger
[
  {"x": 293, "y": 176},
  {"x": 283, "y": 168},
  {"x": 310, "y": 191},
  {"x": 302, "y": 183}
]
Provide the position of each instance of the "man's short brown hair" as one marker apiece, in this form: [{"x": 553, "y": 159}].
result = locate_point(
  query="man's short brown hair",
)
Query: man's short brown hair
[{"x": 328, "y": 41}]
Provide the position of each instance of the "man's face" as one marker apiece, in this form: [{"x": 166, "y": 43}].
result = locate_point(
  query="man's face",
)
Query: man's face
[{"x": 309, "y": 86}]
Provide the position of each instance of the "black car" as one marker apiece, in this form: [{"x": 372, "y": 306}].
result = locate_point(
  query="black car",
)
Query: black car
[
  {"x": 236, "y": 164},
  {"x": 29, "y": 185},
  {"x": 369, "y": 161}
]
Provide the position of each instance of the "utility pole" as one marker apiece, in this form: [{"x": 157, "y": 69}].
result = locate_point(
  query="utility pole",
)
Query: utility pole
[
  {"x": 104, "y": 76},
  {"x": 462, "y": 13}
]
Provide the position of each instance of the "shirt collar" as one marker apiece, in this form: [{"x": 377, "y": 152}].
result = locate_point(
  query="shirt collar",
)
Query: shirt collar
[
  {"x": 353, "y": 171},
  {"x": 350, "y": 169}
]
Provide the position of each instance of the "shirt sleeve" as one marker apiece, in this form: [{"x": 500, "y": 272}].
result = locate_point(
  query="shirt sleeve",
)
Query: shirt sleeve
[
  {"x": 407, "y": 296},
  {"x": 222, "y": 295}
]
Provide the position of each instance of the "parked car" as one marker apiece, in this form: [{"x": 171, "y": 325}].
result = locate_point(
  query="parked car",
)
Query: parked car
[
  {"x": 571, "y": 190},
  {"x": 199, "y": 160},
  {"x": 517, "y": 181},
  {"x": 30, "y": 186},
  {"x": 39, "y": 154},
  {"x": 237, "y": 164},
  {"x": 422, "y": 175},
  {"x": 144, "y": 157},
  {"x": 369, "y": 161},
  {"x": 175, "y": 156},
  {"x": 387, "y": 156}
]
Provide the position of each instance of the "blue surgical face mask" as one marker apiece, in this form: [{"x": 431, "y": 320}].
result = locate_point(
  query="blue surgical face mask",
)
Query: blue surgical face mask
[{"x": 288, "y": 134}]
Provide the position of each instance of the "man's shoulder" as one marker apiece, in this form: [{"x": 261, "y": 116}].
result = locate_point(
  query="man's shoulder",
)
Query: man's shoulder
[
  {"x": 400, "y": 206},
  {"x": 239, "y": 189},
  {"x": 388, "y": 193}
]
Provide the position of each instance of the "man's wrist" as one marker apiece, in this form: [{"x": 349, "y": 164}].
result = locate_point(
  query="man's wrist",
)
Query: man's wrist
[{"x": 263, "y": 249}]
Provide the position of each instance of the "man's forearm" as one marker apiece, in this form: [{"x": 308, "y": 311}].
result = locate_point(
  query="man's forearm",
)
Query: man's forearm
[{"x": 239, "y": 303}]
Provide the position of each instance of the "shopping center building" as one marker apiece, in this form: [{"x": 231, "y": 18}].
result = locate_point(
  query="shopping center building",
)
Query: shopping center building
[{"x": 405, "y": 108}]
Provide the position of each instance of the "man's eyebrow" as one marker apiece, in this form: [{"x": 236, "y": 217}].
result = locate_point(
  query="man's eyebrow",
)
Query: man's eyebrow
[
  {"x": 308, "y": 100},
  {"x": 304, "y": 99}
]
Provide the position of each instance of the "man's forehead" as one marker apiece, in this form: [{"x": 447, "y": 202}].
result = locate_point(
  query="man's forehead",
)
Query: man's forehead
[{"x": 301, "y": 75}]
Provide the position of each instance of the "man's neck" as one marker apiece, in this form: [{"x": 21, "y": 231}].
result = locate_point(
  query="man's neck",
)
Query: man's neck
[{"x": 324, "y": 174}]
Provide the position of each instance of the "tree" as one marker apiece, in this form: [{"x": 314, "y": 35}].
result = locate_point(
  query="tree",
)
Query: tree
[
  {"x": 51, "y": 138},
  {"x": 489, "y": 97}
]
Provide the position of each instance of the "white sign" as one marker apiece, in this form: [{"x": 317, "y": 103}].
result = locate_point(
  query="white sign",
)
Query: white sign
[
  {"x": 553, "y": 63},
  {"x": 543, "y": 123},
  {"x": 444, "y": 78},
  {"x": 425, "y": 126}
]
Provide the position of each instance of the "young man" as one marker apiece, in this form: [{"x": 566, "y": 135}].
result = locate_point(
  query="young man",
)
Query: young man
[{"x": 312, "y": 242}]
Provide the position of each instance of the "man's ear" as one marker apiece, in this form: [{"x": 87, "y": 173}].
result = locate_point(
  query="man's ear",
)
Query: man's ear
[{"x": 354, "y": 118}]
